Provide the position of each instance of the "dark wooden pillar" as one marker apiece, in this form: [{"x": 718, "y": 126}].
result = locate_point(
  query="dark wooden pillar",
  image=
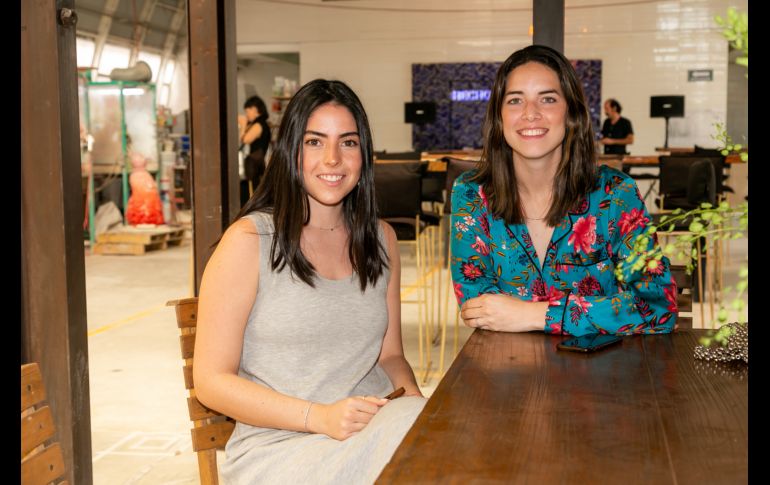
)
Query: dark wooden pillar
[
  {"x": 214, "y": 132},
  {"x": 53, "y": 302},
  {"x": 548, "y": 23}
]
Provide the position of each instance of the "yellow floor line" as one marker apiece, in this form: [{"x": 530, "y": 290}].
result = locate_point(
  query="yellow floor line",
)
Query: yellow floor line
[
  {"x": 408, "y": 290},
  {"x": 130, "y": 318}
]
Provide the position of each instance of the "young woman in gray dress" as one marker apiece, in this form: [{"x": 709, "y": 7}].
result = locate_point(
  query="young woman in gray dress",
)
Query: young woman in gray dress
[{"x": 299, "y": 323}]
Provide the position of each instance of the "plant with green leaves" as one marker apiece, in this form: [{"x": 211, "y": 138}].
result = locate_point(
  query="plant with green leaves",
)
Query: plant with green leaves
[
  {"x": 720, "y": 222},
  {"x": 735, "y": 28}
]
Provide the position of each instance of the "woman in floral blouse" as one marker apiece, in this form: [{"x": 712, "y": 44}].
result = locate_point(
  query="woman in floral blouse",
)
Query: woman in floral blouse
[{"x": 538, "y": 228}]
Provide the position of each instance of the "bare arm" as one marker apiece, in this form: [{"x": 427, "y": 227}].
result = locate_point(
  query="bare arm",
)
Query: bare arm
[
  {"x": 392, "y": 358},
  {"x": 223, "y": 310},
  {"x": 251, "y": 134},
  {"x": 618, "y": 141}
]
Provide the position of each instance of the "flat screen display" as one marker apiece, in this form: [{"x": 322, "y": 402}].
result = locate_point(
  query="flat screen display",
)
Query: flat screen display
[{"x": 666, "y": 106}]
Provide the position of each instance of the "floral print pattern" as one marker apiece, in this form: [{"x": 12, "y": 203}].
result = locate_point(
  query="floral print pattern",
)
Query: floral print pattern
[
  {"x": 583, "y": 234},
  {"x": 576, "y": 275}
]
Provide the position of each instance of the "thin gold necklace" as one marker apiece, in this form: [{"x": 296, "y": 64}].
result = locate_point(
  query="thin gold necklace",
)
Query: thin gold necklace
[{"x": 326, "y": 228}]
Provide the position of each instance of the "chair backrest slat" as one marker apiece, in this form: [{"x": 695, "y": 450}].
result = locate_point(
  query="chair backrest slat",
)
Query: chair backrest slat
[
  {"x": 32, "y": 388},
  {"x": 187, "y": 344},
  {"x": 212, "y": 436},
  {"x": 188, "y": 377},
  {"x": 199, "y": 411},
  {"x": 44, "y": 467},
  {"x": 36, "y": 429},
  {"x": 187, "y": 312}
]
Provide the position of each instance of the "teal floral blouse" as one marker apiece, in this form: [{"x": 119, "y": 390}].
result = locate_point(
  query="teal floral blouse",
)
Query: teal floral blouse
[{"x": 577, "y": 277}]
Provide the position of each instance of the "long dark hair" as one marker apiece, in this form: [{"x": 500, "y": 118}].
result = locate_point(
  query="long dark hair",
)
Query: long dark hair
[
  {"x": 256, "y": 102},
  {"x": 576, "y": 173},
  {"x": 282, "y": 193}
]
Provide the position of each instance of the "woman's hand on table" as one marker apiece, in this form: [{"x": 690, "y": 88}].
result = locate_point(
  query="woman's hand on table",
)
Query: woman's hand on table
[{"x": 503, "y": 313}]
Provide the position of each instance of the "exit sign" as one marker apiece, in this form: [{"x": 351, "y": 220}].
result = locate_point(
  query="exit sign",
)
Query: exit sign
[{"x": 694, "y": 75}]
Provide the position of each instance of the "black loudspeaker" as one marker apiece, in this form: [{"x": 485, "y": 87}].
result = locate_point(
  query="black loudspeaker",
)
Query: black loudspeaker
[
  {"x": 419, "y": 112},
  {"x": 666, "y": 106}
]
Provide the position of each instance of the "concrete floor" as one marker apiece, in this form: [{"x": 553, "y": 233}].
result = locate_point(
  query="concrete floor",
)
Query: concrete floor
[{"x": 139, "y": 420}]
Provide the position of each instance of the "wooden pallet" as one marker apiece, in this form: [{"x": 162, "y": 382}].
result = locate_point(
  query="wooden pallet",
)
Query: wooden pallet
[{"x": 138, "y": 240}]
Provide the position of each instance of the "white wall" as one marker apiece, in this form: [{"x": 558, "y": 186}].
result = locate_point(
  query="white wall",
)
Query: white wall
[
  {"x": 646, "y": 50},
  {"x": 261, "y": 75}
]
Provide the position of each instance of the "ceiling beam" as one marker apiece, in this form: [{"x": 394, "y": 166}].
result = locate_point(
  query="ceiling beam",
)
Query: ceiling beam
[
  {"x": 171, "y": 36},
  {"x": 141, "y": 28},
  {"x": 103, "y": 30}
]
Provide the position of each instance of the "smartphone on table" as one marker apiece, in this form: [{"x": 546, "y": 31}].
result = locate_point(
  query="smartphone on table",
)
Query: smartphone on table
[{"x": 588, "y": 343}]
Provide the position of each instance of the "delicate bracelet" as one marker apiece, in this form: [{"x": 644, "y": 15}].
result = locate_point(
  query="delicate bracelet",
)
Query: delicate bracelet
[{"x": 307, "y": 413}]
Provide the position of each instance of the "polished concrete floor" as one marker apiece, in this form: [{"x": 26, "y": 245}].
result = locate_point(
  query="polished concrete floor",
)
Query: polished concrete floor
[{"x": 139, "y": 420}]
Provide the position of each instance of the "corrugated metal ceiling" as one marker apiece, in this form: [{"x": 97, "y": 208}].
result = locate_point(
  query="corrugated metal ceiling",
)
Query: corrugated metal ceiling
[{"x": 128, "y": 20}]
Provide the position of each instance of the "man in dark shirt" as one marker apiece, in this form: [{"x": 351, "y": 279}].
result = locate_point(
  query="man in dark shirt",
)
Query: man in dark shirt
[{"x": 616, "y": 130}]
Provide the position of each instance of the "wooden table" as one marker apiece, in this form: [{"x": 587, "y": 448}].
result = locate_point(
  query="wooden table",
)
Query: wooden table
[
  {"x": 654, "y": 160},
  {"x": 513, "y": 409}
]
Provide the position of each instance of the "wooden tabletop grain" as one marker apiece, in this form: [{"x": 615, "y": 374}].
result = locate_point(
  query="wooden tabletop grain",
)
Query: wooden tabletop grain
[{"x": 513, "y": 409}]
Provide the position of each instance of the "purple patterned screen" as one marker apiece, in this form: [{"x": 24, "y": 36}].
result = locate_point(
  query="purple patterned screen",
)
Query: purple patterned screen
[{"x": 461, "y": 91}]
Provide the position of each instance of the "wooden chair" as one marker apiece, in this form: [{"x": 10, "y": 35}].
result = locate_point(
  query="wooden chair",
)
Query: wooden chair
[
  {"x": 42, "y": 461},
  {"x": 211, "y": 429},
  {"x": 684, "y": 295}
]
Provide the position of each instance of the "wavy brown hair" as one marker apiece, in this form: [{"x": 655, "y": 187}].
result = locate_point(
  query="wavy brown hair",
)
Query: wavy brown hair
[
  {"x": 576, "y": 173},
  {"x": 282, "y": 193}
]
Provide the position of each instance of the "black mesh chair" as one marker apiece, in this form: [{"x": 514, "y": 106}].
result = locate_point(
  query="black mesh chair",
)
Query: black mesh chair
[
  {"x": 685, "y": 182},
  {"x": 725, "y": 172},
  {"x": 399, "y": 203}
]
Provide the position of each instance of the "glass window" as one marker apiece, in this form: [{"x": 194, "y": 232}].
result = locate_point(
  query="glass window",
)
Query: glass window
[
  {"x": 163, "y": 95},
  {"x": 168, "y": 75},
  {"x": 113, "y": 56},
  {"x": 85, "y": 51}
]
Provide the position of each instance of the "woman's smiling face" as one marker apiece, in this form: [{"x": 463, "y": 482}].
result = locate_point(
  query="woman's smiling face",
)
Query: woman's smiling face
[
  {"x": 331, "y": 155},
  {"x": 534, "y": 113}
]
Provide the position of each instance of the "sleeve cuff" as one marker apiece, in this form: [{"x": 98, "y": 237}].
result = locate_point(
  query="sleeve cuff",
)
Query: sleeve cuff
[{"x": 554, "y": 316}]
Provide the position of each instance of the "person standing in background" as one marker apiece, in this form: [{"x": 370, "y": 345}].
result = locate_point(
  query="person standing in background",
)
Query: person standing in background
[
  {"x": 254, "y": 131},
  {"x": 617, "y": 131}
]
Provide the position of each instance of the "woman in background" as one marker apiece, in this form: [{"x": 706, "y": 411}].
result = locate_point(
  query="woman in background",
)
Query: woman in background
[
  {"x": 539, "y": 228},
  {"x": 299, "y": 325},
  {"x": 255, "y": 132}
]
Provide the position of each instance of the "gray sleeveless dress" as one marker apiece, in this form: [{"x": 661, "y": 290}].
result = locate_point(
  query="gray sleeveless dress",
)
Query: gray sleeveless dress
[{"x": 320, "y": 344}]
